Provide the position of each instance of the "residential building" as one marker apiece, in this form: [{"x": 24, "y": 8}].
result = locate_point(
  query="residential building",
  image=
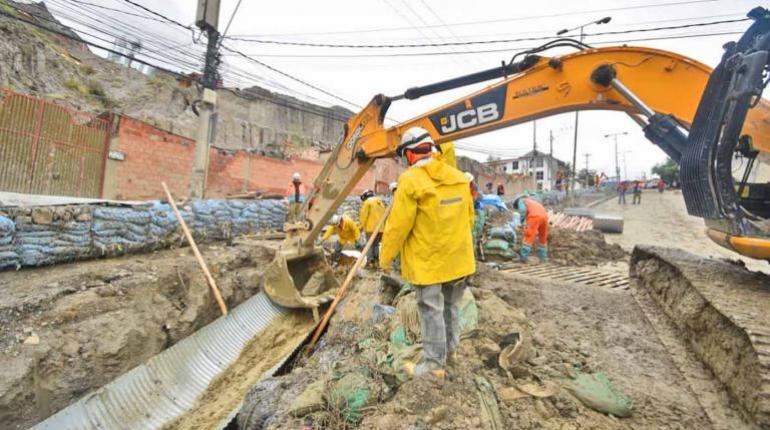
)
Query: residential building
[{"x": 545, "y": 168}]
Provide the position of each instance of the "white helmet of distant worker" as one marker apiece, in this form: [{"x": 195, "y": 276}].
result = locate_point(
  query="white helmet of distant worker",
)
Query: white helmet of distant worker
[
  {"x": 296, "y": 177},
  {"x": 393, "y": 186},
  {"x": 335, "y": 220},
  {"x": 469, "y": 175}
]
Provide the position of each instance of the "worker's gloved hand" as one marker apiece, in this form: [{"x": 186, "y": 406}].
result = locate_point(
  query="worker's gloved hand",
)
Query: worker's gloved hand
[{"x": 386, "y": 270}]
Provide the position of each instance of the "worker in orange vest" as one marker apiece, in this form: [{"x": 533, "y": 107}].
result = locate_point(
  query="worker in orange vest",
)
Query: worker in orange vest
[{"x": 534, "y": 217}]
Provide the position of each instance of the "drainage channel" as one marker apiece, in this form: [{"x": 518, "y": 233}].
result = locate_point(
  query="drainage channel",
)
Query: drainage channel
[
  {"x": 576, "y": 275},
  {"x": 166, "y": 387}
]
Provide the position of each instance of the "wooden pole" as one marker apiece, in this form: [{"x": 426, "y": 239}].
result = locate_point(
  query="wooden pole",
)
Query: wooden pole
[
  {"x": 346, "y": 283},
  {"x": 210, "y": 279}
]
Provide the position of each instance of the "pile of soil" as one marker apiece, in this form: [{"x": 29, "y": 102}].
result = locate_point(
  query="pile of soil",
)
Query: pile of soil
[
  {"x": 562, "y": 336},
  {"x": 581, "y": 248},
  {"x": 69, "y": 329}
]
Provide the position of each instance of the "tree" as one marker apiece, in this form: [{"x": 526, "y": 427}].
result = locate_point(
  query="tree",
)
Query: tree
[
  {"x": 586, "y": 177},
  {"x": 668, "y": 171}
]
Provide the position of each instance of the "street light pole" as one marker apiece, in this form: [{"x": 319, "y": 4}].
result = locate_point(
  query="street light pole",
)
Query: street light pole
[{"x": 604, "y": 20}]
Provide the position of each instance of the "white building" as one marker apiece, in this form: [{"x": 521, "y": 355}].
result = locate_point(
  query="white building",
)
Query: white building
[{"x": 546, "y": 169}]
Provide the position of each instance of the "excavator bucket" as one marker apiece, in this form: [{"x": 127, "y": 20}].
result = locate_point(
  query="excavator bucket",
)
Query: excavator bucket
[{"x": 306, "y": 282}]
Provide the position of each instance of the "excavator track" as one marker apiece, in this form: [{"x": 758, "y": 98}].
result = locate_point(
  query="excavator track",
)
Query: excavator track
[{"x": 721, "y": 310}]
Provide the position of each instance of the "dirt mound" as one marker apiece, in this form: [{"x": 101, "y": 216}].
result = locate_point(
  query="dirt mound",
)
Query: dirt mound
[
  {"x": 561, "y": 338},
  {"x": 573, "y": 248},
  {"x": 72, "y": 328}
]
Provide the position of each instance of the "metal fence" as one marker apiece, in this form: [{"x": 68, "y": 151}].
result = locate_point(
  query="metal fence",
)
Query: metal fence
[{"x": 47, "y": 148}]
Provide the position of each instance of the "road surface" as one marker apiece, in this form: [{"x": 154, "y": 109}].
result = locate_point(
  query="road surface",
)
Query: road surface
[{"x": 662, "y": 220}]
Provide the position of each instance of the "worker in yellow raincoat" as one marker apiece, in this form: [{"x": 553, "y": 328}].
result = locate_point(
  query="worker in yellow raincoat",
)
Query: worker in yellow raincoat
[
  {"x": 369, "y": 215},
  {"x": 430, "y": 227},
  {"x": 347, "y": 233}
]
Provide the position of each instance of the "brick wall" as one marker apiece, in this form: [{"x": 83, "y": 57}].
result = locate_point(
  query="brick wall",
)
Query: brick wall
[{"x": 153, "y": 155}]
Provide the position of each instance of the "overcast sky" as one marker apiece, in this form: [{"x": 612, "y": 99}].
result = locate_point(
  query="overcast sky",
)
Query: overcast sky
[{"x": 418, "y": 21}]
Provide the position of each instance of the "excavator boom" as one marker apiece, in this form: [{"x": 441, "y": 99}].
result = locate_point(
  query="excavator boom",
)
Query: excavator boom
[{"x": 660, "y": 90}]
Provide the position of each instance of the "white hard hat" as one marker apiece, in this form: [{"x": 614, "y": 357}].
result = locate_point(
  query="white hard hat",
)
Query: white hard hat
[
  {"x": 393, "y": 186},
  {"x": 469, "y": 175},
  {"x": 412, "y": 138},
  {"x": 335, "y": 220},
  {"x": 296, "y": 176}
]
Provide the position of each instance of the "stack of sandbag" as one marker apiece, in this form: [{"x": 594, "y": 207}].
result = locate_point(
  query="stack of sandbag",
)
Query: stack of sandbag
[
  {"x": 8, "y": 256},
  {"x": 117, "y": 230}
]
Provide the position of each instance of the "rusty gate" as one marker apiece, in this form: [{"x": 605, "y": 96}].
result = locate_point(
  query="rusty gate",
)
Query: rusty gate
[{"x": 47, "y": 148}]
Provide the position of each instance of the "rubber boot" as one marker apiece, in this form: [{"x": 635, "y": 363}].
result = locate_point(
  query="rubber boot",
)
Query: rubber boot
[
  {"x": 542, "y": 253},
  {"x": 524, "y": 252},
  {"x": 420, "y": 370}
]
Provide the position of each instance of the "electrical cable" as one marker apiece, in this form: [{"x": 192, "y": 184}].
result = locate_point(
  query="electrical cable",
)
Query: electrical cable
[
  {"x": 159, "y": 15},
  {"x": 521, "y": 18},
  {"x": 478, "y": 42},
  {"x": 307, "y": 84},
  {"x": 483, "y": 51},
  {"x": 79, "y": 40}
]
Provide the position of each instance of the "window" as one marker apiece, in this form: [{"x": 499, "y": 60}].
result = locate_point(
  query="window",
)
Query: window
[
  {"x": 539, "y": 176},
  {"x": 514, "y": 165},
  {"x": 538, "y": 162}
]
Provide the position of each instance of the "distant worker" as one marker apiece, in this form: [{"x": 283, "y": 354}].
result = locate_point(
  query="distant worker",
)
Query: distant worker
[
  {"x": 637, "y": 190},
  {"x": 369, "y": 215},
  {"x": 296, "y": 193},
  {"x": 430, "y": 226},
  {"x": 347, "y": 234},
  {"x": 500, "y": 190},
  {"x": 661, "y": 185},
  {"x": 475, "y": 194},
  {"x": 392, "y": 187},
  {"x": 534, "y": 217},
  {"x": 621, "y": 188}
]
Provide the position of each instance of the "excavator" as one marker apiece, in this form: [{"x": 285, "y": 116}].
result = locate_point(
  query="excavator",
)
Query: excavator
[{"x": 701, "y": 118}]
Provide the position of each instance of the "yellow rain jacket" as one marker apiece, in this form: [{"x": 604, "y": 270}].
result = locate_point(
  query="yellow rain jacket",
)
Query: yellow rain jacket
[
  {"x": 430, "y": 225},
  {"x": 348, "y": 233},
  {"x": 370, "y": 214},
  {"x": 448, "y": 153}
]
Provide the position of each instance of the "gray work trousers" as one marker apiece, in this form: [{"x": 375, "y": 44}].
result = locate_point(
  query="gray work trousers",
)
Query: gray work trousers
[{"x": 440, "y": 320}]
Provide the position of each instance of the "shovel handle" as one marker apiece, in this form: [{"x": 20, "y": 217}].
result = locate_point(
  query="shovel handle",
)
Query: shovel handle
[
  {"x": 209, "y": 279},
  {"x": 351, "y": 274}
]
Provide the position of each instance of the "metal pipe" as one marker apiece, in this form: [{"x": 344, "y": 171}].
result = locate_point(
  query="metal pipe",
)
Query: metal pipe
[{"x": 632, "y": 98}]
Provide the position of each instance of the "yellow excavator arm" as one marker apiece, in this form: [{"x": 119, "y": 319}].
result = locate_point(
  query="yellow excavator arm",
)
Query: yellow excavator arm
[{"x": 660, "y": 90}]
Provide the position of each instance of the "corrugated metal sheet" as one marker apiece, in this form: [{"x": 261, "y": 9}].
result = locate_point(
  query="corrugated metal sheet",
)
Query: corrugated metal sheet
[
  {"x": 47, "y": 148},
  {"x": 165, "y": 387}
]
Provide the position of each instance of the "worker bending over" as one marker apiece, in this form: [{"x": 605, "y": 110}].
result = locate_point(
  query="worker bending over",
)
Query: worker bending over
[
  {"x": 534, "y": 217},
  {"x": 430, "y": 226},
  {"x": 295, "y": 193},
  {"x": 347, "y": 234},
  {"x": 369, "y": 215}
]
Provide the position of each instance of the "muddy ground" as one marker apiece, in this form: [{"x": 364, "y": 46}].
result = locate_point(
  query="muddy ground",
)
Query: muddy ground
[
  {"x": 582, "y": 248},
  {"x": 572, "y": 328},
  {"x": 72, "y": 328}
]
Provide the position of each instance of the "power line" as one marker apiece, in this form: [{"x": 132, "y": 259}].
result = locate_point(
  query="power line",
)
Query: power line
[
  {"x": 159, "y": 15},
  {"x": 118, "y": 10},
  {"x": 294, "y": 78},
  {"x": 522, "y": 18},
  {"x": 79, "y": 40},
  {"x": 483, "y": 51},
  {"x": 235, "y": 11},
  {"x": 480, "y": 42}
]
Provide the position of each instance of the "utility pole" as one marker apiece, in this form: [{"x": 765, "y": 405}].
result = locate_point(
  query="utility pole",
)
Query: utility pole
[
  {"x": 604, "y": 20},
  {"x": 550, "y": 161},
  {"x": 587, "y": 155},
  {"x": 625, "y": 167},
  {"x": 617, "y": 166},
  {"x": 207, "y": 19}
]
